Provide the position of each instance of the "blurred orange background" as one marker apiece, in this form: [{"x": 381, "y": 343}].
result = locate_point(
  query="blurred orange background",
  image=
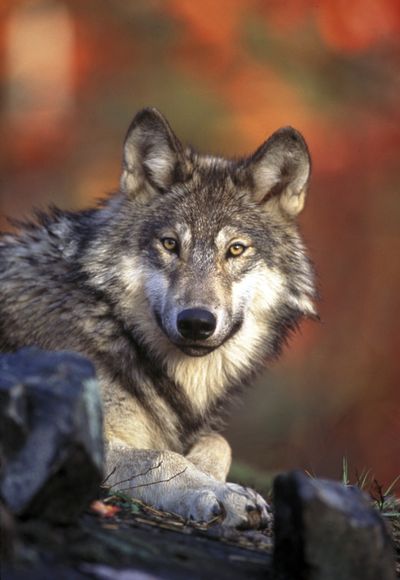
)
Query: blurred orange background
[{"x": 226, "y": 74}]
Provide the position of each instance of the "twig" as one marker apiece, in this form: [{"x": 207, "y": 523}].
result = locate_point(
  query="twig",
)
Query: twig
[
  {"x": 134, "y": 476},
  {"x": 154, "y": 482},
  {"x": 381, "y": 498},
  {"x": 108, "y": 476}
]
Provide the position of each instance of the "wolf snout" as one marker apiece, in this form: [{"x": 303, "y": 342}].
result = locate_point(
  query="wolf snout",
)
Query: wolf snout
[{"x": 196, "y": 323}]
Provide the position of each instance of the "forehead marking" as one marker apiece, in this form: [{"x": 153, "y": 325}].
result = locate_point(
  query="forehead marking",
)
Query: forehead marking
[
  {"x": 185, "y": 235},
  {"x": 228, "y": 234}
]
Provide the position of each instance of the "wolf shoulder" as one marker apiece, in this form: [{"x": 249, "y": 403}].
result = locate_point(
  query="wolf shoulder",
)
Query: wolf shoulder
[{"x": 43, "y": 300}]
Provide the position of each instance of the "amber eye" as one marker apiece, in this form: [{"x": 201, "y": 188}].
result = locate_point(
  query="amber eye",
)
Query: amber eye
[
  {"x": 170, "y": 244},
  {"x": 236, "y": 250}
]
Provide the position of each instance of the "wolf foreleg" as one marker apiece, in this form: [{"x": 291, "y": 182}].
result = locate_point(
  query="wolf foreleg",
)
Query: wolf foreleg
[
  {"x": 171, "y": 482},
  {"x": 212, "y": 455}
]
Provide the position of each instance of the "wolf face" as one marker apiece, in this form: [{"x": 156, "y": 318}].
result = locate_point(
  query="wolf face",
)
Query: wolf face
[
  {"x": 205, "y": 274},
  {"x": 208, "y": 262}
]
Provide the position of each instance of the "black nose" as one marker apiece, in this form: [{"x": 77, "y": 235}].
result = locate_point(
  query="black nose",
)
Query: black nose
[{"x": 196, "y": 323}]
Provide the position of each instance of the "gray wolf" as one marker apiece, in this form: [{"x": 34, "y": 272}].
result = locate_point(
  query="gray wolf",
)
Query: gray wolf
[{"x": 179, "y": 288}]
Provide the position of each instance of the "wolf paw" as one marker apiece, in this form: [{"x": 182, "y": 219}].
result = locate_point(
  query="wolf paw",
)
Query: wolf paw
[{"x": 242, "y": 507}]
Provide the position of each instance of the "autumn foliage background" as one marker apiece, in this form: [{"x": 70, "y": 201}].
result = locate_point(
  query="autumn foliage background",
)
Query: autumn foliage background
[{"x": 226, "y": 74}]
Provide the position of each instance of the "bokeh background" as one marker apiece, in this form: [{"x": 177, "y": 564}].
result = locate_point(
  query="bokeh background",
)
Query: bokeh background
[{"x": 227, "y": 73}]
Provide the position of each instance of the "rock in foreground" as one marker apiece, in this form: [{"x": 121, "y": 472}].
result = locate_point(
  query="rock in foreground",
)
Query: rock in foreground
[
  {"x": 51, "y": 445},
  {"x": 327, "y": 531}
]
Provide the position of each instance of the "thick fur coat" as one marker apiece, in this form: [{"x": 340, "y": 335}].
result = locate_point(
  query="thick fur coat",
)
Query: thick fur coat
[{"x": 179, "y": 288}]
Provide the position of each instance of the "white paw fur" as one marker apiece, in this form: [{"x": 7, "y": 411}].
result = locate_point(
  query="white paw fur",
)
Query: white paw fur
[{"x": 241, "y": 507}]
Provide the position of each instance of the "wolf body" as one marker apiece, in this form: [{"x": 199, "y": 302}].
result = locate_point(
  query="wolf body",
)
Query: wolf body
[{"x": 179, "y": 288}]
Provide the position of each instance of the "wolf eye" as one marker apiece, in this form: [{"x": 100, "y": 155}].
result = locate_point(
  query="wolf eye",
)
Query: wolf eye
[
  {"x": 170, "y": 245},
  {"x": 236, "y": 250}
]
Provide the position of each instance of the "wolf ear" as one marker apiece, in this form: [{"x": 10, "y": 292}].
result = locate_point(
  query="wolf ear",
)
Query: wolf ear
[
  {"x": 280, "y": 171},
  {"x": 153, "y": 156}
]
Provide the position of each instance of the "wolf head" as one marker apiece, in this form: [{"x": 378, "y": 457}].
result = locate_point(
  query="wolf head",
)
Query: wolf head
[{"x": 206, "y": 256}]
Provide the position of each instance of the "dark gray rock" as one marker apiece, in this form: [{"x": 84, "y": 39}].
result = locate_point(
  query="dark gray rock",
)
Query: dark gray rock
[
  {"x": 51, "y": 443},
  {"x": 327, "y": 531}
]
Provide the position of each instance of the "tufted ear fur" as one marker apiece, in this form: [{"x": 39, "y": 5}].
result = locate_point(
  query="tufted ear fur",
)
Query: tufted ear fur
[
  {"x": 280, "y": 171},
  {"x": 153, "y": 157}
]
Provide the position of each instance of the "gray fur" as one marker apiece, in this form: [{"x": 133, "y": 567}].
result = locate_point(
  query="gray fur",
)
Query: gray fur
[{"x": 101, "y": 282}]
